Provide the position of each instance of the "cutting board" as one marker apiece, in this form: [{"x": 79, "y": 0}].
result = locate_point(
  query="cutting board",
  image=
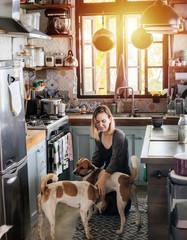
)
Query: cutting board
[
  {"x": 164, "y": 133},
  {"x": 165, "y": 148}
]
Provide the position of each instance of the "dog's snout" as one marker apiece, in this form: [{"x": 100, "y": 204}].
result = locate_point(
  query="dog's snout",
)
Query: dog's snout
[{"x": 75, "y": 172}]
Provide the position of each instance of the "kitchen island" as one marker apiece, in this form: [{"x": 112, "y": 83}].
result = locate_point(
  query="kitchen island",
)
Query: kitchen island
[{"x": 159, "y": 147}]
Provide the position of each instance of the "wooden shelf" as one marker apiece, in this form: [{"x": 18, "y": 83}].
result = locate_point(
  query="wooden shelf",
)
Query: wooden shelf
[
  {"x": 61, "y": 36},
  {"x": 180, "y": 33},
  {"x": 177, "y": 1},
  {"x": 178, "y": 67},
  {"x": 43, "y": 68},
  {"x": 32, "y": 6}
]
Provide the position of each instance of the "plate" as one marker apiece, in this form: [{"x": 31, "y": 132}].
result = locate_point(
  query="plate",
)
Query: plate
[{"x": 178, "y": 178}]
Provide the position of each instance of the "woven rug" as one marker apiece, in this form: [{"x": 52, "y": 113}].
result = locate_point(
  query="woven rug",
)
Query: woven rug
[{"x": 102, "y": 226}]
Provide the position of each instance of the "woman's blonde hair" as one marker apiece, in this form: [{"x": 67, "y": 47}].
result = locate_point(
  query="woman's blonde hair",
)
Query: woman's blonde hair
[{"x": 94, "y": 130}]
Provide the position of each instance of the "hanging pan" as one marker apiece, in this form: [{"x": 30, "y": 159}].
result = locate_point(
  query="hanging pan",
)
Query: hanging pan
[{"x": 103, "y": 39}]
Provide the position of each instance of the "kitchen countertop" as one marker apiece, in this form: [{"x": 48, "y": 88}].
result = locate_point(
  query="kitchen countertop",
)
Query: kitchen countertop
[
  {"x": 33, "y": 137},
  {"x": 120, "y": 120},
  {"x": 161, "y": 144}
]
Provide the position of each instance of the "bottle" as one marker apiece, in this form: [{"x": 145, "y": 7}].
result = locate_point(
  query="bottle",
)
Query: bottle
[{"x": 182, "y": 124}]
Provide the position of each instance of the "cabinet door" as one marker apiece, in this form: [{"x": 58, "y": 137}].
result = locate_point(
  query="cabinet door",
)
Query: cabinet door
[
  {"x": 36, "y": 171},
  {"x": 33, "y": 185},
  {"x": 135, "y": 136},
  {"x": 83, "y": 143}
]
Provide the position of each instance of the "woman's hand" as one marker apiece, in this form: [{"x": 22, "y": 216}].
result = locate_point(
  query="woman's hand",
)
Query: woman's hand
[{"x": 100, "y": 184}]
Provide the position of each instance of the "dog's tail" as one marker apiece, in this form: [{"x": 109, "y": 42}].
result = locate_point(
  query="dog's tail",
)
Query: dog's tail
[
  {"x": 49, "y": 176},
  {"x": 134, "y": 161}
]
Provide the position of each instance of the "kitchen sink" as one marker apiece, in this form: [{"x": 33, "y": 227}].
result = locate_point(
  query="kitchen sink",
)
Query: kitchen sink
[{"x": 143, "y": 115}]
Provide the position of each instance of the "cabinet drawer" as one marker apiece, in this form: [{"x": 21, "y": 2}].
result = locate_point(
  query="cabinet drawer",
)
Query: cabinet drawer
[{"x": 157, "y": 174}]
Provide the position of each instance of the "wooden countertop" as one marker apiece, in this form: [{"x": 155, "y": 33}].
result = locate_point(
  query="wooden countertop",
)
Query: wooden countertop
[
  {"x": 85, "y": 120},
  {"x": 34, "y": 137},
  {"x": 161, "y": 144}
]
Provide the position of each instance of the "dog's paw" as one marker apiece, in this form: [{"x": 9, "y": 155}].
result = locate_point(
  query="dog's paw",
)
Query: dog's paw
[
  {"x": 89, "y": 237},
  {"x": 118, "y": 232}
]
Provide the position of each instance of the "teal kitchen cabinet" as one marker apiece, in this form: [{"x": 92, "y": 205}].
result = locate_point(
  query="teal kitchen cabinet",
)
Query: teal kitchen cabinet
[
  {"x": 83, "y": 144},
  {"x": 37, "y": 169}
]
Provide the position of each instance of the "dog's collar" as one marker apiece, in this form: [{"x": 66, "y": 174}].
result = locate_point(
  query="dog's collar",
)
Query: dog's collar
[
  {"x": 98, "y": 200},
  {"x": 86, "y": 174}
]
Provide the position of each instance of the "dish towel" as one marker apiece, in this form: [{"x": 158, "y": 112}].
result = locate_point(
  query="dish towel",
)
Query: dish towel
[
  {"x": 56, "y": 165},
  {"x": 65, "y": 152},
  {"x": 121, "y": 80},
  {"x": 70, "y": 147}
]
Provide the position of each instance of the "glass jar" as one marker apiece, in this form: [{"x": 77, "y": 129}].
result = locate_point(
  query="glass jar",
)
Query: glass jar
[
  {"x": 28, "y": 60},
  {"x": 59, "y": 59},
  {"x": 31, "y": 48},
  {"x": 39, "y": 56},
  {"x": 49, "y": 60}
]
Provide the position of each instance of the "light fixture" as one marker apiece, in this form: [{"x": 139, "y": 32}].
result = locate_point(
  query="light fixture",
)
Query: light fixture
[
  {"x": 160, "y": 17},
  {"x": 141, "y": 39}
]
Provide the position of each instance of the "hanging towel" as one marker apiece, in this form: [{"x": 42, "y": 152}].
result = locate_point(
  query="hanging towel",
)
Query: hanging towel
[
  {"x": 60, "y": 141},
  {"x": 65, "y": 152},
  {"x": 121, "y": 80},
  {"x": 70, "y": 147},
  {"x": 56, "y": 166}
]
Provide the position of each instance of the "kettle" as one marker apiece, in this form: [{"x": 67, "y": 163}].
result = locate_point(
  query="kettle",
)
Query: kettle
[{"x": 70, "y": 60}]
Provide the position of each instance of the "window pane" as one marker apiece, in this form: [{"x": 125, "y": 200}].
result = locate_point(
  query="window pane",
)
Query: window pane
[
  {"x": 155, "y": 76},
  {"x": 88, "y": 87},
  {"x": 88, "y": 56},
  {"x": 133, "y": 78},
  {"x": 87, "y": 33},
  {"x": 157, "y": 37},
  {"x": 98, "y": 1},
  {"x": 132, "y": 24},
  {"x": 113, "y": 75},
  {"x": 155, "y": 55},
  {"x": 112, "y": 57},
  {"x": 101, "y": 83},
  {"x": 132, "y": 55}
]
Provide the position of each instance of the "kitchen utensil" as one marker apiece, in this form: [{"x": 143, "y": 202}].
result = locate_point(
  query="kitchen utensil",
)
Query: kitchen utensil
[
  {"x": 49, "y": 105},
  {"x": 103, "y": 39},
  {"x": 141, "y": 39},
  {"x": 70, "y": 60},
  {"x": 58, "y": 21},
  {"x": 180, "y": 163},
  {"x": 61, "y": 109}
]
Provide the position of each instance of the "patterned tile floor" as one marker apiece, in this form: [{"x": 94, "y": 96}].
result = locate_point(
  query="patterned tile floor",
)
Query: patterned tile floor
[{"x": 67, "y": 219}]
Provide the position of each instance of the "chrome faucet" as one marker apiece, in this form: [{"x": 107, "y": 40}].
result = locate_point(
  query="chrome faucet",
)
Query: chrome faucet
[{"x": 132, "y": 92}]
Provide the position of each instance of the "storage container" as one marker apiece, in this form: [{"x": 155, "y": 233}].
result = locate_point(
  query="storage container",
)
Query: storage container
[
  {"x": 183, "y": 55},
  {"x": 39, "y": 56}
]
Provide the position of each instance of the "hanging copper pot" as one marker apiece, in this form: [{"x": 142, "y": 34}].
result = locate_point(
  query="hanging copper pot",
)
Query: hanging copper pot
[
  {"x": 103, "y": 39},
  {"x": 141, "y": 39}
]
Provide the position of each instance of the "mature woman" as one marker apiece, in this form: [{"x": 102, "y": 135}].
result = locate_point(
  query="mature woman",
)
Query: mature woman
[{"x": 111, "y": 152}]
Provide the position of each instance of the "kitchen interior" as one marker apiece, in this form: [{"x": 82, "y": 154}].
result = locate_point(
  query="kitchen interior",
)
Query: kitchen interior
[{"x": 44, "y": 100}]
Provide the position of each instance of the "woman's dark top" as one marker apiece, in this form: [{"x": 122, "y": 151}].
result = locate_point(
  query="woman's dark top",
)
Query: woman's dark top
[{"x": 114, "y": 159}]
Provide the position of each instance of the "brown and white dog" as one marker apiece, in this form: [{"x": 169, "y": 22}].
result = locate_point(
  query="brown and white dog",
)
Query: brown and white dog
[
  {"x": 77, "y": 194},
  {"x": 119, "y": 182}
]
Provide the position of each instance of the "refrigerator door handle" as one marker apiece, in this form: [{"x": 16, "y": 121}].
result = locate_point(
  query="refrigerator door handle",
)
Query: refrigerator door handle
[{"x": 11, "y": 163}]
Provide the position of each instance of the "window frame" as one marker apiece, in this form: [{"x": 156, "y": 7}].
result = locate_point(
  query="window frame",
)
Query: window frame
[{"x": 124, "y": 8}]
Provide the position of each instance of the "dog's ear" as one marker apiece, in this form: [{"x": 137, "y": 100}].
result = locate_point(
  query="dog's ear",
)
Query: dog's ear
[{"x": 91, "y": 166}]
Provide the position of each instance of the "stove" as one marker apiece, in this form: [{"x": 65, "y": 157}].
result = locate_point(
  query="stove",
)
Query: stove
[{"x": 52, "y": 124}]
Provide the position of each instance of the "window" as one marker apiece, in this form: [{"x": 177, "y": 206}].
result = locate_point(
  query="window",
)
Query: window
[{"x": 146, "y": 70}]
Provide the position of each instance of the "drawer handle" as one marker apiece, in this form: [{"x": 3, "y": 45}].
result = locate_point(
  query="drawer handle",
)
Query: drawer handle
[
  {"x": 43, "y": 161},
  {"x": 138, "y": 138},
  {"x": 159, "y": 174}
]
